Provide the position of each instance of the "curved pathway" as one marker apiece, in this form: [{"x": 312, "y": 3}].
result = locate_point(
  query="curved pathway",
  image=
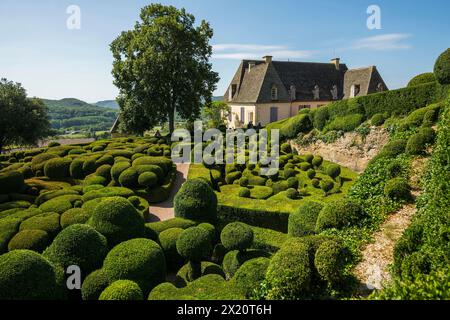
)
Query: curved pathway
[{"x": 164, "y": 210}]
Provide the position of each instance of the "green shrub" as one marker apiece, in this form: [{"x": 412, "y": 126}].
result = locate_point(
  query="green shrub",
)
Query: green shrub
[
  {"x": 292, "y": 194},
  {"x": 108, "y": 192},
  {"x": 243, "y": 182},
  {"x": 289, "y": 272},
  {"x": 237, "y": 236},
  {"x": 151, "y": 168},
  {"x": 417, "y": 143},
  {"x": 377, "y": 119},
  {"x": 94, "y": 179},
  {"x": 104, "y": 171},
  {"x": 326, "y": 186},
  {"x": 162, "y": 162},
  {"x": 339, "y": 214},
  {"x": 160, "y": 226},
  {"x": 74, "y": 216},
  {"x": 168, "y": 240},
  {"x": 117, "y": 220},
  {"x": 233, "y": 260},
  {"x": 311, "y": 173},
  {"x": 129, "y": 178},
  {"x": 321, "y": 116},
  {"x": 292, "y": 182},
  {"x": 35, "y": 240},
  {"x": 230, "y": 178},
  {"x": 422, "y": 79},
  {"x": 123, "y": 290},
  {"x": 333, "y": 170},
  {"x": 442, "y": 68},
  {"x": 89, "y": 165},
  {"x": 305, "y": 166},
  {"x": 78, "y": 245},
  {"x": 317, "y": 161},
  {"x": 330, "y": 260},
  {"x": 94, "y": 284},
  {"x": 138, "y": 260},
  {"x": 293, "y": 126},
  {"x": 76, "y": 169},
  {"x": 315, "y": 183},
  {"x": 26, "y": 275},
  {"x": 148, "y": 179},
  {"x": 53, "y": 144},
  {"x": 286, "y": 148},
  {"x": 244, "y": 192},
  {"x": 303, "y": 221},
  {"x": 194, "y": 244},
  {"x": 197, "y": 201},
  {"x": 182, "y": 277},
  {"x": 250, "y": 275},
  {"x": 11, "y": 182},
  {"x": 106, "y": 159},
  {"x": 398, "y": 189},
  {"x": 395, "y": 169},
  {"x": 48, "y": 222},
  {"x": 60, "y": 204},
  {"x": 394, "y": 148},
  {"x": 38, "y": 162},
  {"x": 118, "y": 168},
  {"x": 345, "y": 123},
  {"x": 288, "y": 173}
]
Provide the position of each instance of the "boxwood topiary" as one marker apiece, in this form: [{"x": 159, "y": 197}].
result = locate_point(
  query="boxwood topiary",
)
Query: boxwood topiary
[
  {"x": 237, "y": 236},
  {"x": 79, "y": 245},
  {"x": 289, "y": 272},
  {"x": 292, "y": 182},
  {"x": 117, "y": 220},
  {"x": 26, "y": 275},
  {"x": 315, "y": 183},
  {"x": 58, "y": 168},
  {"x": 292, "y": 194},
  {"x": 339, "y": 214},
  {"x": 151, "y": 168},
  {"x": 197, "y": 201},
  {"x": 104, "y": 171},
  {"x": 244, "y": 192},
  {"x": 74, "y": 216},
  {"x": 422, "y": 79},
  {"x": 148, "y": 179},
  {"x": 326, "y": 186},
  {"x": 250, "y": 275},
  {"x": 377, "y": 119},
  {"x": 35, "y": 240},
  {"x": 442, "y": 68},
  {"x": 48, "y": 222},
  {"x": 38, "y": 162},
  {"x": 94, "y": 284},
  {"x": 106, "y": 192},
  {"x": 330, "y": 260},
  {"x": 288, "y": 173},
  {"x": 398, "y": 189},
  {"x": 303, "y": 221},
  {"x": 11, "y": 182},
  {"x": 138, "y": 260},
  {"x": 333, "y": 170},
  {"x": 168, "y": 241},
  {"x": 182, "y": 277},
  {"x": 60, "y": 204},
  {"x": 118, "y": 168},
  {"x": 129, "y": 178},
  {"x": 231, "y": 177},
  {"x": 124, "y": 290},
  {"x": 76, "y": 169},
  {"x": 233, "y": 260}
]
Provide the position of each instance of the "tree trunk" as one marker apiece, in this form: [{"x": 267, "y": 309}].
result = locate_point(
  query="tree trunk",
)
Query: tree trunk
[{"x": 172, "y": 121}]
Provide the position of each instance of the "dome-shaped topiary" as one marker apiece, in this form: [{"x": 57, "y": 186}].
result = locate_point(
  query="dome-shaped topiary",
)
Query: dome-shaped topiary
[
  {"x": 442, "y": 68},
  {"x": 330, "y": 260},
  {"x": 94, "y": 284},
  {"x": 124, "y": 290},
  {"x": 326, "y": 186},
  {"x": 244, "y": 192},
  {"x": 250, "y": 275},
  {"x": 26, "y": 275},
  {"x": 196, "y": 201},
  {"x": 333, "y": 170},
  {"x": 422, "y": 79},
  {"x": 118, "y": 220},
  {"x": 289, "y": 272},
  {"x": 35, "y": 240},
  {"x": 339, "y": 214},
  {"x": 76, "y": 169},
  {"x": 151, "y": 168},
  {"x": 317, "y": 161},
  {"x": 118, "y": 168},
  {"x": 58, "y": 168},
  {"x": 48, "y": 222},
  {"x": 38, "y": 162},
  {"x": 78, "y": 245},
  {"x": 377, "y": 119},
  {"x": 11, "y": 182},
  {"x": 194, "y": 244},
  {"x": 129, "y": 178},
  {"x": 292, "y": 194},
  {"x": 168, "y": 240},
  {"x": 148, "y": 179},
  {"x": 243, "y": 182},
  {"x": 237, "y": 236},
  {"x": 74, "y": 216},
  {"x": 303, "y": 221},
  {"x": 398, "y": 189},
  {"x": 139, "y": 260},
  {"x": 104, "y": 171},
  {"x": 211, "y": 231}
]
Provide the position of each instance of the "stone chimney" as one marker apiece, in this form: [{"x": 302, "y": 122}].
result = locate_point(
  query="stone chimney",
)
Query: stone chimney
[
  {"x": 336, "y": 62},
  {"x": 251, "y": 65},
  {"x": 268, "y": 59}
]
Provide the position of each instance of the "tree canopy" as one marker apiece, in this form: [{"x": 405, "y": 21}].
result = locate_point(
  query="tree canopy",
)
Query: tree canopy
[
  {"x": 217, "y": 113},
  {"x": 162, "y": 65},
  {"x": 23, "y": 121}
]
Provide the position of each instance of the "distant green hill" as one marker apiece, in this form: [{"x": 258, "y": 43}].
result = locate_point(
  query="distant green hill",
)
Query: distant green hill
[
  {"x": 72, "y": 114},
  {"x": 112, "y": 104}
]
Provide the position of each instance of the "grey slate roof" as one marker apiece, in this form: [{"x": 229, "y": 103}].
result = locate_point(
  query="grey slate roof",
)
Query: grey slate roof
[{"x": 254, "y": 86}]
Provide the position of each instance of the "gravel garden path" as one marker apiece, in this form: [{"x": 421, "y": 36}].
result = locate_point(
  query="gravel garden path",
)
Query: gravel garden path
[{"x": 164, "y": 210}]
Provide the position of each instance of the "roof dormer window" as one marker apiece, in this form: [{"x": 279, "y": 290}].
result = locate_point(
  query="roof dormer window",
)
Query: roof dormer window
[
  {"x": 274, "y": 93},
  {"x": 232, "y": 91},
  {"x": 354, "y": 90}
]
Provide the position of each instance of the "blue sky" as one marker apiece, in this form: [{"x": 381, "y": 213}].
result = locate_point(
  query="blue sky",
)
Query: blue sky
[{"x": 51, "y": 61}]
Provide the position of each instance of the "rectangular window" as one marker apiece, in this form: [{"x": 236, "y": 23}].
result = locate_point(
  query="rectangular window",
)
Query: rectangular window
[
  {"x": 242, "y": 114},
  {"x": 273, "y": 114}
]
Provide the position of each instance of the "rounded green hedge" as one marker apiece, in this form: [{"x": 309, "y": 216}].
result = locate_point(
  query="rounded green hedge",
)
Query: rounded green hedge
[
  {"x": 129, "y": 178},
  {"x": 194, "y": 244},
  {"x": 162, "y": 162},
  {"x": 74, "y": 216},
  {"x": 231, "y": 177},
  {"x": 244, "y": 182},
  {"x": 303, "y": 221},
  {"x": 106, "y": 192},
  {"x": 206, "y": 267},
  {"x": 38, "y": 162},
  {"x": 330, "y": 260},
  {"x": 60, "y": 204},
  {"x": 123, "y": 290},
  {"x": 289, "y": 272},
  {"x": 422, "y": 79},
  {"x": 398, "y": 189},
  {"x": 237, "y": 236},
  {"x": 333, "y": 170},
  {"x": 148, "y": 179},
  {"x": 78, "y": 245},
  {"x": 168, "y": 241},
  {"x": 250, "y": 275},
  {"x": 104, "y": 171},
  {"x": 233, "y": 260},
  {"x": 244, "y": 192},
  {"x": 118, "y": 220},
  {"x": 442, "y": 68},
  {"x": 118, "y": 168},
  {"x": 35, "y": 240},
  {"x": 58, "y": 168},
  {"x": 11, "y": 182},
  {"x": 26, "y": 275},
  {"x": 48, "y": 222},
  {"x": 151, "y": 168},
  {"x": 326, "y": 186},
  {"x": 292, "y": 194},
  {"x": 196, "y": 201},
  {"x": 377, "y": 119},
  {"x": 138, "y": 260},
  {"x": 94, "y": 284},
  {"x": 316, "y": 183},
  {"x": 339, "y": 214},
  {"x": 317, "y": 161},
  {"x": 76, "y": 169}
]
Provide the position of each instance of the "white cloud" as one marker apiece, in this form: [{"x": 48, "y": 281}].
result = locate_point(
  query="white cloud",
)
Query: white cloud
[
  {"x": 392, "y": 41},
  {"x": 235, "y": 51}
]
